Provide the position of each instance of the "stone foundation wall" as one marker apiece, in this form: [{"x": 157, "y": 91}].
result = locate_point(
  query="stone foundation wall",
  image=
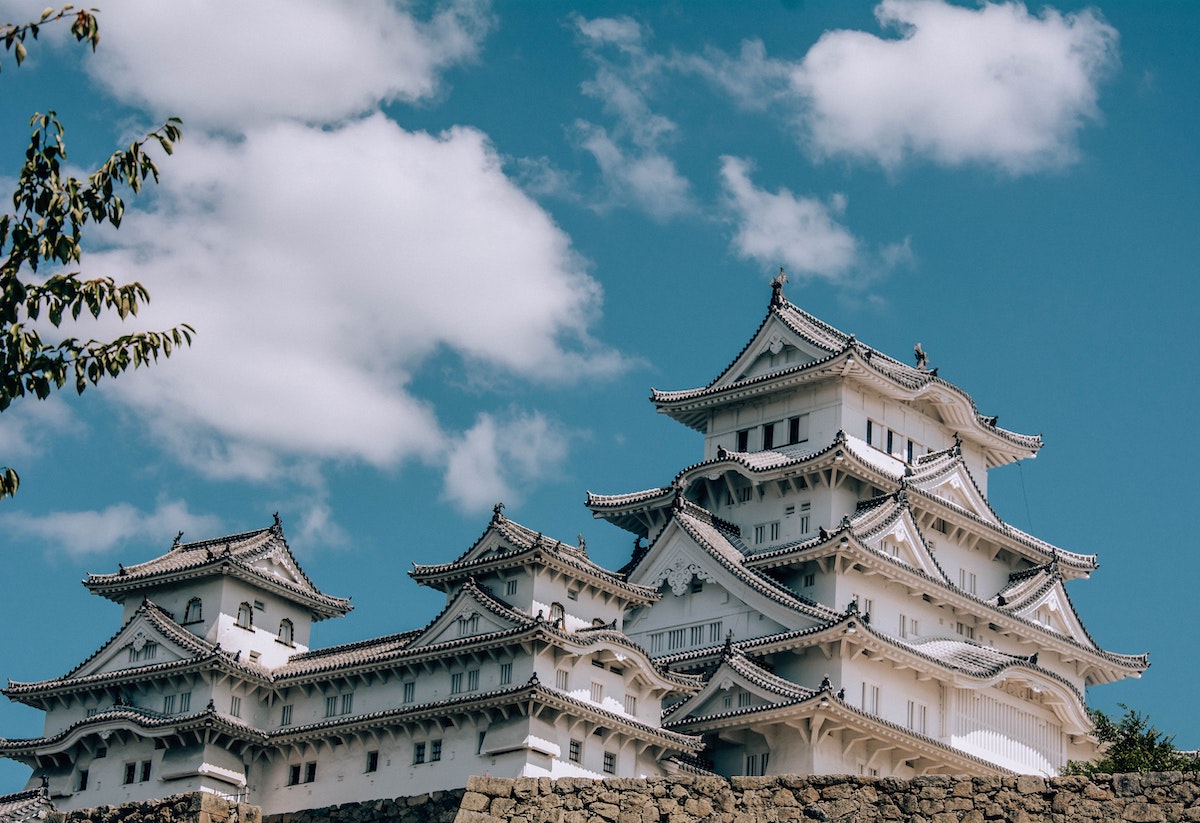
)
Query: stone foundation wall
[{"x": 1168, "y": 797}]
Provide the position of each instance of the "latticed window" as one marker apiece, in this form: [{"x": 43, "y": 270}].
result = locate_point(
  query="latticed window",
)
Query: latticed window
[{"x": 245, "y": 616}]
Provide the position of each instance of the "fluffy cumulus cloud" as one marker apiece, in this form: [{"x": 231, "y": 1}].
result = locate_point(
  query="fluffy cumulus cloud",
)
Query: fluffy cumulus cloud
[
  {"x": 499, "y": 456},
  {"x": 322, "y": 268},
  {"x": 324, "y": 253},
  {"x": 80, "y": 533},
  {"x": 308, "y": 60},
  {"x": 996, "y": 85},
  {"x": 631, "y": 151},
  {"x": 802, "y": 233}
]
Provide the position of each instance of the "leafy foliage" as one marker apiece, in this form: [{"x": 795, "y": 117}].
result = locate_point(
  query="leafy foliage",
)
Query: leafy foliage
[
  {"x": 1131, "y": 744},
  {"x": 45, "y": 229}
]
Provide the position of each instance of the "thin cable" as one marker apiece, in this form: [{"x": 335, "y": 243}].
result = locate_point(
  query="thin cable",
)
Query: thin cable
[{"x": 1028, "y": 519}]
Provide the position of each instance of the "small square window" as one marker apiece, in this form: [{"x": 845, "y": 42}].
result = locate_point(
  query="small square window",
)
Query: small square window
[
  {"x": 573, "y": 594},
  {"x": 258, "y": 604}
]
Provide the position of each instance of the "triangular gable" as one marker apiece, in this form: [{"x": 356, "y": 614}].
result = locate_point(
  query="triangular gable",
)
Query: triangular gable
[
  {"x": 140, "y": 642},
  {"x": 955, "y": 486},
  {"x": 728, "y": 690},
  {"x": 1053, "y": 610},
  {"x": 676, "y": 558},
  {"x": 902, "y": 541},
  {"x": 774, "y": 347},
  {"x": 468, "y": 614},
  {"x": 280, "y": 564}
]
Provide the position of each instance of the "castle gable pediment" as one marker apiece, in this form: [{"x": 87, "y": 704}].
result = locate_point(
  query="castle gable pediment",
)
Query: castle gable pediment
[
  {"x": 1053, "y": 609},
  {"x": 955, "y": 485},
  {"x": 471, "y": 612},
  {"x": 773, "y": 348},
  {"x": 143, "y": 641}
]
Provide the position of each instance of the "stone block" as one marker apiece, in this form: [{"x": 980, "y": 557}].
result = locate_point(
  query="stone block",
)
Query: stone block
[
  {"x": 492, "y": 786},
  {"x": 1030, "y": 784},
  {"x": 1143, "y": 813}
]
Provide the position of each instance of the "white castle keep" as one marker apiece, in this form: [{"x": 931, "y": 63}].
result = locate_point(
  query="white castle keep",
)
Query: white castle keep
[{"x": 827, "y": 591}]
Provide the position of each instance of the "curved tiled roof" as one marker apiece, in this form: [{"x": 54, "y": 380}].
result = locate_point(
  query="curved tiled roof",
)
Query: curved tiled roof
[
  {"x": 20, "y": 807},
  {"x": 837, "y": 344},
  {"x": 202, "y": 652},
  {"x": 697, "y": 523},
  {"x": 218, "y": 556},
  {"x": 527, "y": 542}
]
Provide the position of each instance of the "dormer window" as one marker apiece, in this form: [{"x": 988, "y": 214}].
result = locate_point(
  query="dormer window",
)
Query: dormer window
[
  {"x": 245, "y": 616},
  {"x": 194, "y": 611},
  {"x": 286, "y": 632}
]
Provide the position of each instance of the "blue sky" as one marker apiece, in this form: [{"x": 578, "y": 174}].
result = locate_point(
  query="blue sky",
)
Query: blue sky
[{"x": 437, "y": 255}]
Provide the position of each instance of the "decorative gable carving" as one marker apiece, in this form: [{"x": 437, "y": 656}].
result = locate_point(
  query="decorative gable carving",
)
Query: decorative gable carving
[{"x": 678, "y": 572}]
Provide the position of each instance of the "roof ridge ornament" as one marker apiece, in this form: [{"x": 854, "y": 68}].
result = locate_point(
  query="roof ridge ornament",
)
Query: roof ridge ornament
[
  {"x": 921, "y": 357},
  {"x": 497, "y": 510},
  {"x": 277, "y": 527},
  {"x": 178, "y": 537},
  {"x": 777, "y": 298}
]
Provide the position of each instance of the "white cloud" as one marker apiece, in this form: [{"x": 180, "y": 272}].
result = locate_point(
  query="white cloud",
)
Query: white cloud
[
  {"x": 27, "y": 426},
  {"x": 779, "y": 228},
  {"x": 631, "y": 152},
  {"x": 498, "y": 456},
  {"x": 995, "y": 85},
  {"x": 229, "y": 64},
  {"x": 321, "y": 268},
  {"x": 79, "y": 533}
]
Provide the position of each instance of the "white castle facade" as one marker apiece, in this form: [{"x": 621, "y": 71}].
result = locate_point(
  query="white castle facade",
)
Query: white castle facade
[{"x": 827, "y": 591}]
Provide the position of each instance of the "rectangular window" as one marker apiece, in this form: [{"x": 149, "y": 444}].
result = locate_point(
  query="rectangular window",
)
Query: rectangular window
[
  {"x": 456, "y": 681},
  {"x": 145, "y": 775},
  {"x": 510, "y": 588},
  {"x": 916, "y": 717},
  {"x": 418, "y": 753},
  {"x": 575, "y": 751},
  {"x": 798, "y": 429},
  {"x": 745, "y": 494},
  {"x": 258, "y": 604},
  {"x": 656, "y": 643},
  {"x": 610, "y": 763},
  {"x": 294, "y": 774},
  {"x": 505, "y": 674},
  {"x": 966, "y": 631},
  {"x": 768, "y": 436},
  {"x": 870, "y": 433},
  {"x": 372, "y": 761},
  {"x": 774, "y": 530},
  {"x": 631, "y": 704},
  {"x": 743, "y": 440},
  {"x": 473, "y": 680},
  {"x": 92, "y": 712},
  {"x": 903, "y": 626},
  {"x": 83, "y": 780},
  {"x": 727, "y": 701},
  {"x": 572, "y": 594},
  {"x": 697, "y": 585},
  {"x": 696, "y": 635},
  {"x": 756, "y": 764},
  {"x": 911, "y": 448},
  {"x": 562, "y": 680},
  {"x": 675, "y": 639},
  {"x": 597, "y": 663},
  {"x": 743, "y": 700},
  {"x": 310, "y": 772},
  {"x": 760, "y": 534},
  {"x": 597, "y": 692},
  {"x": 810, "y": 580},
  {"x": 966, "y": 581},
  {"x": 235, "y": 706},
  {"x": 714, "y": 632},
  {"x": 185, "y": 702},
  {"x": 410, "y": 692},
  {"x": 435, "y": 751},
  {"x": 130, "y": 773},
  {"x": 285, "y": 714},
  {"x": 168, "y": 704},
  {"x": 347, "y": 703},
  {"x": 870, "y": 697},
  {"x": 331, "y": 703},
  {"x": 891, "y": 437},
  {"x": 101, "y": 752}
]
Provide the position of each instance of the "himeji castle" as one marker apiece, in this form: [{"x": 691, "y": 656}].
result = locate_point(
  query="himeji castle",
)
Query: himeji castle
[{"x": 827, "y": 591}]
